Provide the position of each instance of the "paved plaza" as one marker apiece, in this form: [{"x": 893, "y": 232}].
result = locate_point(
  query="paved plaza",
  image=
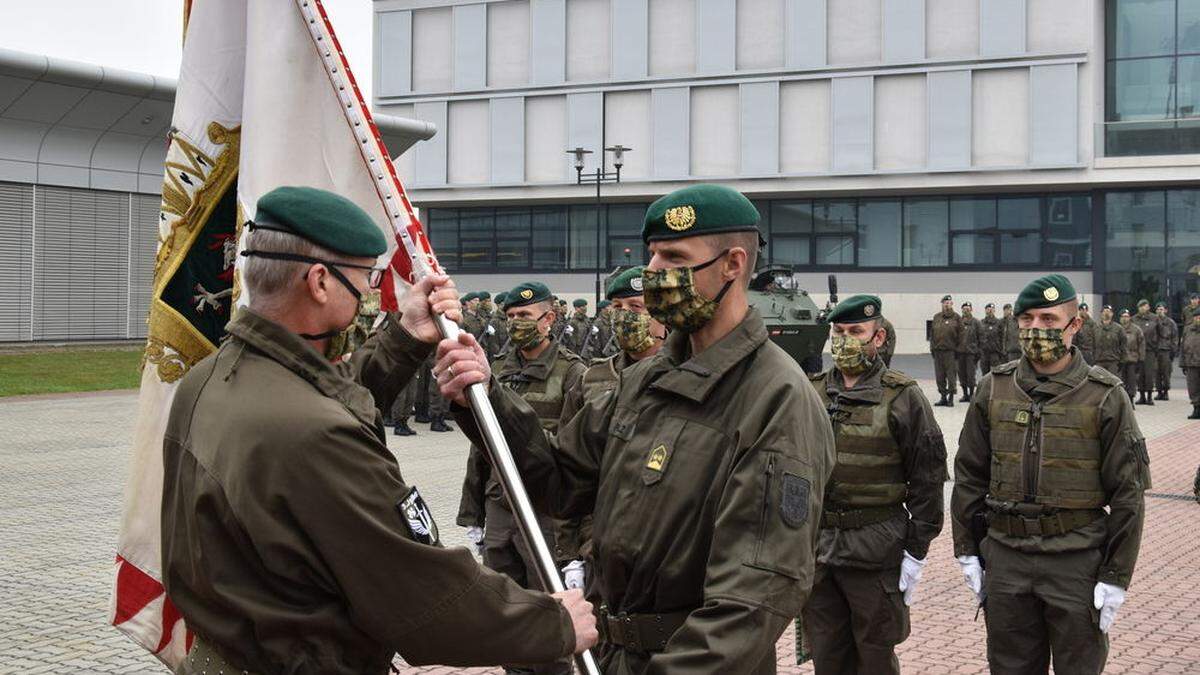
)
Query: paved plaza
[{"x": 63, "y": 464}]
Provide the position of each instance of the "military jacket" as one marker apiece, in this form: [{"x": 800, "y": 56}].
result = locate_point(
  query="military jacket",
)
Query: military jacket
[
  {"x": 1189, "y": 347},
  {"x": 947, "y": 332},
  {"x": 472, "y": 323},
  {"x": 581, "y": 328},
  {"x": 1033, "y": 444},
  {"x": 1188, "y": 312},
  {"x": 601, "y": 377},
  {"x": 991, "y": 335},
  {"x": 705, "y": 474},
  {"x": 285, "y": 520},
  {"x": 889, "y": 341},
  {"x": 1012, "y": 335},
  {"x": 1110, "y": 342},
  {"x": 1148, "y": 324},
  {"x": 889, "y": 451},
  {"x": 1086, "y": 339},
  {"x": 1168, "y": 335},
  {"x": 1135, "y": 344},
  {"x": 970, "y": 336}
]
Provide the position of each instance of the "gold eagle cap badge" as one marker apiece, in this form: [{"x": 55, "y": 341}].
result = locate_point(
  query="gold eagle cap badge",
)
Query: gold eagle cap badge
[
  {"x": 869, "y": 310},
  {"x": 526, "y": 294},
  {"x": 680, "y": 218},
  {"x": 1050, "y": 294}
]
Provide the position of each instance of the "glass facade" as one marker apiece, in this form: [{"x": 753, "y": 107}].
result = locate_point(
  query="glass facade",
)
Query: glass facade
[
  {"x": 1152, "y": 88},
  {"x": 1151, "y": 246}
]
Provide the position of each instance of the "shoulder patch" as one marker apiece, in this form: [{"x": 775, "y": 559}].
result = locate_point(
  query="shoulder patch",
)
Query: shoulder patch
[
  {"x": 895, "y": 378},
  {"x": 1098, "y": 374},
  {"x": 418, "y": 519}
]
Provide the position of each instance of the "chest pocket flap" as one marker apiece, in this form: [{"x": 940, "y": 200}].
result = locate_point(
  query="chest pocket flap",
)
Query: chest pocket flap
[{"x": 623, "y": 423}]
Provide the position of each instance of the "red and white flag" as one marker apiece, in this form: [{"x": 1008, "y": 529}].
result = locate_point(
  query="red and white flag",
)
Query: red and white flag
[{"x": 265, "y": 98}]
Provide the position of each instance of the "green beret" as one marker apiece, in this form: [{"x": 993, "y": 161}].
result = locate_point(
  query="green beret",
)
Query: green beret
[
  {"x": 1160, "y": 304},
  {"x": 528, "y": 293},
  {"x": 1084, "y": 305},
  {"x": 626, "y": 284},
  {"x": 856, "y": 309},
  {"x": 698, "y": 210},
  {"x": 947, "y": 298},
  {"x": 483, "y": 295},
  {"x": 1143, "y": 301},
  {"x": 500, "y": 297},
  {"x": 1048, "y": 291},
  {"x": 322, "y": 217},
  {"x": 579, "y": 302},
  {"x": 1125, "y": 312},
  {"x": 602, "y": 304},
  {"x": 468, "y": 297}
]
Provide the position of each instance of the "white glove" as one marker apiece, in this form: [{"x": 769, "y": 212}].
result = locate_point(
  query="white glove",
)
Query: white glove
[
  {"x": 475, "y": 536},
  {"x": 595, "y": 329},
  {"x": 910, "y": 574},
  {"x": 973, "y": 574},
  {"x": 1108, "y": 599},
  {"x": 573, "y": 574},
  {"x": 568, "y": 329},
  {"x": 491, "y": 330}
]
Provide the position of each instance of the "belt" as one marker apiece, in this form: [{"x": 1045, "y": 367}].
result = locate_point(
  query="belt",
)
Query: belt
[
  {"x": 856, "y": 518},
  {"x": 202, "y": 658},
  {"x": 1051, "y": 524},
  {"x": 639, "y": 632}
]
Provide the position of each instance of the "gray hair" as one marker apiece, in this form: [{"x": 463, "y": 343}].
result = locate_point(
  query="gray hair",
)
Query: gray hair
[{"x": 268, "y": 280}]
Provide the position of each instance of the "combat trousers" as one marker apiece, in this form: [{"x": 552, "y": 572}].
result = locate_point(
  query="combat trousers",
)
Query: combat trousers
[
  {"x": 1193, "y": 384},
  {"x": 854, "y": 619},
  {"x": 966, "y": 370},
  {"x": 1149, "y": 376},
  {"x": 403, "y": 407},
  {"x": 1130, "y": 372},
  {"x": 1039, "y": 607},
  {"x": 1111, "y": 366},
  {"x": 944, "y": 367},
  {"x": 438, "y": 406},
  {"x": 989, "y": 360},
  {"x": 1164, "y": 371},
  {"x": 505, "y": 551}
]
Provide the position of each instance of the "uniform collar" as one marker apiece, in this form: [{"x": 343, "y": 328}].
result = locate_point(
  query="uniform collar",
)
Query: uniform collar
[
  {"x": 1054, "y": 385},
  {"x": 538, "y": 369},
  {"x": 868, "y": 389},
  {"x": 694, "y": 377},
  {"x": 297, "y": 355}
]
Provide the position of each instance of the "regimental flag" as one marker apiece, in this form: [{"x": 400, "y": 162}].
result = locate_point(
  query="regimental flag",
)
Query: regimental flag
[{"x": 250, "y": 115}]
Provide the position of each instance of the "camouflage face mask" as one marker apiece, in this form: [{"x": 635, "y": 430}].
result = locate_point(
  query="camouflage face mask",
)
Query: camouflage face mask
[
  {"x": 673, "y": 300},
  {"x": 850, "y": 355},
  {"x": 632, "y": 330},
  {"x": 1043, "y": 345},
  {"x": 524, "y": 332},
  {"x": 353, "y": 336}
]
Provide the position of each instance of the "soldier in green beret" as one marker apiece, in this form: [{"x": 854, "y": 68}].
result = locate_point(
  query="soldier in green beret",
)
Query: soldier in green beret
[
  {"x": 883, "y": 504},
  {"x": 1191, "y": 309},
  {"x": 1135, "y": 354},
  {"x": 1051, "y": 458},
  {"x": 285, "y": 517},
  {"x": 578, "y": 327},
  {"x": 889, "y": 342},
  {"x": 1109, "y": 343},
  {"x": 1147, "y": 322},
  {"x": 499, "y": 343},
  {"x": 991, "y": 339},
  {"x": 967, "y": 352},
  {"x": 1168, "y": 346},
  {"x": 541, "y": 372},
  {"x": 704, "y": 467},
  {"x": 945, "y": 333},
  {"x": 1012, "y": 342},
  {"x": 1189, "y": 361},
  {"x": 1086, "y": 340},
  {"x": 600, "y": 342}
]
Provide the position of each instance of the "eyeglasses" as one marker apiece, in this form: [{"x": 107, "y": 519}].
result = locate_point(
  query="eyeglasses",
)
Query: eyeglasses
[{"x": 374, "y": 274}]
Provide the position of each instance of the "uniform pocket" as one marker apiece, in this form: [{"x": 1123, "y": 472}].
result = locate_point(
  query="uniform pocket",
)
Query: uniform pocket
[{"x": 785, "y": 511}]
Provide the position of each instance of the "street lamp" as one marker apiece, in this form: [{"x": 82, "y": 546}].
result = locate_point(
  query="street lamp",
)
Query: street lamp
[{"x": 600, "y": 175}]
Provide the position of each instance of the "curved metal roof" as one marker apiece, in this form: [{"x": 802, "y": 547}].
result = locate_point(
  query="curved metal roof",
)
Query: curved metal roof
[{"x": 76, "y": 124}]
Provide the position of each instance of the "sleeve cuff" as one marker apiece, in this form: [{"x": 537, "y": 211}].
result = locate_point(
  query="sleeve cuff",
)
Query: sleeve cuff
[{"x": 1113, "y": 576}]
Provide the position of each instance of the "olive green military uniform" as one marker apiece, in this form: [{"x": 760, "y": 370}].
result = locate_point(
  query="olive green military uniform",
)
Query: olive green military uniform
[
  {"x": 1135, "y": 356},
  {"x": 1168, "y": 347},
  {"x": 1012, "y": 339},
  {"x": 1189, "y": 310},
  {"x": 603, "y": 343},
  {"x": 600, "y": 377},
  {"x": 704, "y": 474},
  {"x": 1085, "y": 340},
  {"x": 991, "y": 343},
  {"x": 1148, "y": 324},
  {"x": 884, "y": 498},
  {"x": 1189, "y": 360},
  {"x": 581, "y": 328},
  {"x": 472, "y": 323},
  {"x": 1044, "y": 456},
  {"x": 889, "y": 342},
  {"x": 969, "y": 339},
  {"x": 290, "y": 540},
  {"x": 943, "y": 343},
  {"x": 1110, "y": 346}
]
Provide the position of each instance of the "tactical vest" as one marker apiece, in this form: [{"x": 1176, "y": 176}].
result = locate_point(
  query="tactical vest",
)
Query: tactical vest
[
  {"x": 870, "y": 469},
  {"x": 1047, "y": 453},
  {"x": 544, "y": 396}
]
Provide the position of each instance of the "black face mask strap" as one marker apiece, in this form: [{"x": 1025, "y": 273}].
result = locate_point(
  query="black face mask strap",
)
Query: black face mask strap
[
  {"x": 295, "y": 257},
  {"x": 701, "y": 266}
]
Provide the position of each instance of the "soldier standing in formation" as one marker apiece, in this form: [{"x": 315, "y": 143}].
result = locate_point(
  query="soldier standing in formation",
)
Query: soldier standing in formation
[
  {"x": 1109, "y": 348},
  {"x": 580, "y": 327},
  {"x": 1147, "y": 322},
  {"x": 1191, "y": 309},
  {"x": 889, "y": 343},
  {"x": 1047, "y": 446},
  {"x": 499, "y": 324},
  {"x": 1189, "y": 361},
  {"x": 883, "y": 504},
  {"x": 1012, "y": 345},
  {"x": 704, "y": 467},
  {"x": 1087, "y": 334},
  {"x": 403, "y": 408},
  {"x": 991, "y": 340},
  {"x": 944, "y": 336},
  {"x": 284, "y": 515},
  {"x": 1168, "y": 345},
  {"x": 1134, "y": 356},
  {"x": 968, "y": 352}
]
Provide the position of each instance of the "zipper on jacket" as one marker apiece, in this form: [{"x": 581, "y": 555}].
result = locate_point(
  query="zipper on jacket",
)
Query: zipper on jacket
[
  {"x": 1032, "y": 456},
  {"x": 769, "y": 478}
]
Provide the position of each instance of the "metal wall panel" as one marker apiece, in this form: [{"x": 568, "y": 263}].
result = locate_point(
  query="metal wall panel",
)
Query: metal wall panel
[
  {"x": 804, "y": 126},
  {"x": 627, "y": 121},
  {"x": 804, "y": 35},
  {"x": 901, "y": 122},
  {"x": 395, "y": 53},
  {"x": 1001, "y": 27},
  {"x": 508, "y": 43},
  {"x": 508, "y": 139},
  {"x": 715, "y": 131},
  {"x": 949, "y": 119},
  {"x": 855, "y": 32},
  {"x": 588, "y": 46},
  {"x": 470, "y": 46},
  {"x": 432, "y": 49},
  {"x": 143, "y": 246},
  {"x": 672, "y": 39},
  {"x": 630, "y": 39},
  {"x": 548, "y": 33},
  {"x": 585, "y": 128},
  {"x": 430, "y": 156},
  {"x": 16, "y": 260},
  {"x": 759, "y": 128},
  {"x": 903, "y": 31},
  {"x": 670, "y": 110},
  {"x": 1053, "y": 114},
  {"x": 545, "y": 138},
  {"x": 760, "y": 34},
  {"x": 851, "y": 112},
  {"x": 467, "y": 148},
  {"x": 716, "y": 34},
  {"x": 1000, "y": 133}
]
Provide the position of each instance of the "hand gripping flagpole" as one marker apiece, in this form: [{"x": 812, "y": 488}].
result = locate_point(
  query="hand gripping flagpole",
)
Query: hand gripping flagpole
[{"x": 417, "y": 261}]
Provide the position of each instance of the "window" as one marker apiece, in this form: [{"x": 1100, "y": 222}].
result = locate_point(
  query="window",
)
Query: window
[
  {"x": 476, "y": 239},
  {"x": 791, "y": 224},
  {"x": 1068, "y": 239},
  {"x": 972, "y": 231},
  {"x": 835, "y": 224},
  {"x": 442, "y": 228},
  {"x": 925, "y": 232},
  {"x": 625, "y": 245},
  {"x": 1152, "y": 77},
  {"x": 513, "y": 237},
  {"x": 1135, "y": 246},
  {"x": 878, "y": 233},
  {"x": 550, "y": 235},
  {"x": 1019, "y": 220}
]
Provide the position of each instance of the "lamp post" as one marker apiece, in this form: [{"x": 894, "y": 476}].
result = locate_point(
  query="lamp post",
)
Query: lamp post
[{"x": 599, "y": 176}]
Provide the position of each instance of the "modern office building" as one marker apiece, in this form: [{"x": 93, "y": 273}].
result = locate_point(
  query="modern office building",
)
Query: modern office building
[{"x": 912, "y": 147}]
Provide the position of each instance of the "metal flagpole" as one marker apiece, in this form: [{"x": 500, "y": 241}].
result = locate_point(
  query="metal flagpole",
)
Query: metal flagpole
[{"x": 419, "y": 263}]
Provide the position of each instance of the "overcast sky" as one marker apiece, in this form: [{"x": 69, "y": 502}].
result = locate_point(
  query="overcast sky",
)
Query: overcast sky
[{"x": 144, "y": 35}]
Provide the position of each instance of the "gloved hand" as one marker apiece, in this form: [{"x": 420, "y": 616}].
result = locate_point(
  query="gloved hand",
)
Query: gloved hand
[
  {"x": 595, "y": 330},
  {"x": 491, "y": 330},
  {"x": 910, "y": 574},
  {"x": 973, "y": 574},
  {"x": 1108, "y": 599},
  {"x": 568, "y": 329},
  {"x": 573, "y": 574},
  {"x": 475, "y": 536}
]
